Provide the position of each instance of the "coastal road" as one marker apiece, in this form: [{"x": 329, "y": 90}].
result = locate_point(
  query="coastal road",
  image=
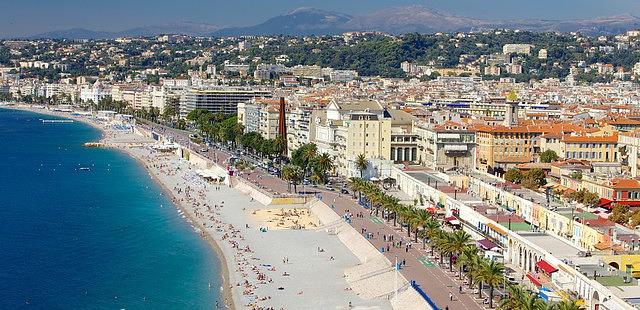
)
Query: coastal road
[{"x": 435, "y": 280}]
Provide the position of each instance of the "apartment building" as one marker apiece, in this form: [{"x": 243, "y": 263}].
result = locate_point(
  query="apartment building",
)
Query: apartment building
[
  {"x": 629, "y": 143},
  {"x": 346, "y": 130},
  {"x": 506, "y": 147},
  {"x": 446, "y": 146},
  {"x": 218, "y": 99},
  {"x": 592, "y": 148},
  {"x": 298, "y": 119}
]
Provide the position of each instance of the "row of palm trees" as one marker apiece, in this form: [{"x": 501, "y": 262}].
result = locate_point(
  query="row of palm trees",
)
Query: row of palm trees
[{"x": 457, "y": 244}]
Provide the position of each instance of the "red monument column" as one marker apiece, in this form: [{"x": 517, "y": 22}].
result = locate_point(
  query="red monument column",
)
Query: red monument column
[{"x": 282, "y": 126}]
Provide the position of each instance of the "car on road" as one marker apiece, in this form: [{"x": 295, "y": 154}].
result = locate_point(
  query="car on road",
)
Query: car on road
[
  {"x": 329, "y": 188},
  {"x": 204, "y": 150},
  {"x": 344, "y": 191}
]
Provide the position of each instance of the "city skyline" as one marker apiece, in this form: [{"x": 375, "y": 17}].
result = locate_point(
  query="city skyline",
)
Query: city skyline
[{"x": 28, "y": 18}]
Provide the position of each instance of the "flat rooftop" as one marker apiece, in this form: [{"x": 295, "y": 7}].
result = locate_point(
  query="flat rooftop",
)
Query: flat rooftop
[{"x": 553, "y": 245}]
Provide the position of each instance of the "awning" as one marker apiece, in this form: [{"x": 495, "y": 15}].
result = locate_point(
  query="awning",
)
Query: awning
[
  {"x": 546, "y": 267},
  {"x": 604, "y": 202},
  {"x": 452, "y": 220},
  {"x": 533, "y": 279},
  {"x": 602, "y": 245},
  {"x": 497, "y": 229},
  {"x": 486, "y": 244}
]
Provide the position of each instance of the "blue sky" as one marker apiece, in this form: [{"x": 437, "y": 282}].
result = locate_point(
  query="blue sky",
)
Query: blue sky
[{"x": 19, "y": 17}]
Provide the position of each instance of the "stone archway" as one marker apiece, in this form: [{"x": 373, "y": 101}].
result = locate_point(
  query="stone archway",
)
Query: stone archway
[{"x": 595, "y": 301}]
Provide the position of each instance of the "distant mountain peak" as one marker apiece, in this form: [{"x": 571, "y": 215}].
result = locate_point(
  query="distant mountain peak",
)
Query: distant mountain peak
[{"x": 393, "y": 20}]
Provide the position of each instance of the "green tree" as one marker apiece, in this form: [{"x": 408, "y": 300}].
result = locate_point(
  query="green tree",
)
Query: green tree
[
  {"x": 548, "y": 156},
  {"x": 534, "y": 178},
  {"x": 620, "y": 214},
  {"x": 513, "y": 175}
]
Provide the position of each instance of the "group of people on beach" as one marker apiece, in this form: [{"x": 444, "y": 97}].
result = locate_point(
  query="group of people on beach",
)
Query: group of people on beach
[{"x": 198, "y": 199}]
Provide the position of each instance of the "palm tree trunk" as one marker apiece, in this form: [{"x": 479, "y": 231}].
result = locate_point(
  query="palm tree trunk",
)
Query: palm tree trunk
[
  {"x": 480, "y": 289},
  {"x": 415, "y": 236},
  {"x": 408, "y": 230},
  {"x": 451, "y": 263},
  {"x": 490, "y": 296}
]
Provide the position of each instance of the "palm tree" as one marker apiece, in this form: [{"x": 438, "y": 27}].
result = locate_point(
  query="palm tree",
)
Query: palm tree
[
  {"x": 440, "y": 242},
  {"x": 391, "y": 205},
  {"x": 376, "y": 199},
  {"x": 280, "y": 144},
  {"x": 478, "y": 274},
  {"x": 287, "y": 175},
  {"x": 407, "y": 215},
  {"x": 324, "y": 164},
  {"x": 361, "y": 164},
  {"x": 420, "y": 220},
  {"x": 309, "y": 154},
  {"x": 518, "y": 297},
  {"x": 491, "y": 273},
  {"x": 533, "y": 302},
  {"x": 467, "y": 258},
  {"x": 432, "y": 228},
  {"x": 297, "y": 174},
  {"x": 459, "y": 240}
]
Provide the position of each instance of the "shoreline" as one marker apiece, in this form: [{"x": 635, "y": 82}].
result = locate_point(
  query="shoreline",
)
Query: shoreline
[
  {"x": 355, "y": 274},
  {"x": 227, "y": 291}
]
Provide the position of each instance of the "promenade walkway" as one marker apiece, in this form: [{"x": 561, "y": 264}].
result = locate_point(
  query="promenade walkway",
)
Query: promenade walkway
[{"x": 435, "y": 280}]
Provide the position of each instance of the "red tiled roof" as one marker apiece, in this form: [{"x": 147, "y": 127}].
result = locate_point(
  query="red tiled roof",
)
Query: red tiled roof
[
  {"x": 625, "y": 184},
  {"x": 591, "y": 139}
]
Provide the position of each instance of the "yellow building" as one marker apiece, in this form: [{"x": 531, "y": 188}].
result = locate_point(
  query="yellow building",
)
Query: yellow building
[
  {"x": 505, "y": 147},
  {"x": 365, "y": 133},
  {"x": 592, "y": 148},
  {"x": 625, "y": 263}
]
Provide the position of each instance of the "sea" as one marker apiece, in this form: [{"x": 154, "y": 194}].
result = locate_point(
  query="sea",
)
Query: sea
[{"x": 103, "y": 238}]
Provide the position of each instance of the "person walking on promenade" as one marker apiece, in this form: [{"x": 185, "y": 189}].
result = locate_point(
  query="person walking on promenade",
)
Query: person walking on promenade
[{"x": 450, "y": 296}]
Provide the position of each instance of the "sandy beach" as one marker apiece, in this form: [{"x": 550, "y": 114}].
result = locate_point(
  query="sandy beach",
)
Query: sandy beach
[{"x": 273, "y": 257}]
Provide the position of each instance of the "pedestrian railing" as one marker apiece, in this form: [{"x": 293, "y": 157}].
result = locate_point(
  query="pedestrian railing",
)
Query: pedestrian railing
[{"x": 424, "y": 295}]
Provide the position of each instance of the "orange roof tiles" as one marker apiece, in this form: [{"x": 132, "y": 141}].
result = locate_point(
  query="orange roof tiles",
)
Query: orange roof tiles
[
  {"x": 591, "y": 139},
  {"x": 625, "y": 184}
]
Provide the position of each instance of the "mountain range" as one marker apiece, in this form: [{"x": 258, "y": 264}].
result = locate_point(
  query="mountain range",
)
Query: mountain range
[
  {"x": 394, "y": 20},
  {"x": 187, "y": 28}
]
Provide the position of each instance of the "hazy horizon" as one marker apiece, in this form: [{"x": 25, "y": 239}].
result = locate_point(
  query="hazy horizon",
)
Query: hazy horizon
[{"x": 22, "y": 18}]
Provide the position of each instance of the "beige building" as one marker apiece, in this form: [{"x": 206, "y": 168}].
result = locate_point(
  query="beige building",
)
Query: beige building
[
  {"x": 446, "y": 146},
  {"x": 346, "y": 130},
  {"x": 505, "y": 147}
]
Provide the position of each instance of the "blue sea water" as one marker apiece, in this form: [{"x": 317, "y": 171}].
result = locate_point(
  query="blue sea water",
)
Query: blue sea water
[{"x": 100, "y": 239}]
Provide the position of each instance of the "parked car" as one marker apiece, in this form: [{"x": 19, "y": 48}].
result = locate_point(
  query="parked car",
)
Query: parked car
[{"x": 344, "y": 191}]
